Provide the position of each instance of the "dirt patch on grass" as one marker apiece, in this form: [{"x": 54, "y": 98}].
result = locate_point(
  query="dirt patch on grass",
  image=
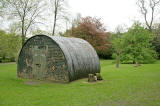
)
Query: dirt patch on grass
[
  {"x": 102, "y": 81},
  {"x": 32, "y": 82},
  {"x": 8, "y": 63}
]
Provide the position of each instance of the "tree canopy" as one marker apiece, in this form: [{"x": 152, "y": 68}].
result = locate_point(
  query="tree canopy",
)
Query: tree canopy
[
  {"x": 137, "y": 46},
  {"x": 93, "y": 30},
  {"x": 10, "y": 45}
]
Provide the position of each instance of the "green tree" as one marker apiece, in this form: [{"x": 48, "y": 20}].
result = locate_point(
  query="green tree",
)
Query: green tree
[
  {"x": 10, "y": 45},
  {"x": 3, "y": 46},
  {"x": 156, "y": 40},
  {"x": 117, "y": 44},
  {"x": 138, "y": 47}
]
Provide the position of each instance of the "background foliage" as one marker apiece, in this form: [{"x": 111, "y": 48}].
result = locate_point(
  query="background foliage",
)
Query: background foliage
[
  {"x": 92, "y": 30},
  {"x": 10, "y": 45},
  {"x": 137, "y": 46}
]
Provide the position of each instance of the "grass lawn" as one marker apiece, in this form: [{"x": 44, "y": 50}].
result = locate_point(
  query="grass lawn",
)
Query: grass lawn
[{"x": 126, "y": 86}]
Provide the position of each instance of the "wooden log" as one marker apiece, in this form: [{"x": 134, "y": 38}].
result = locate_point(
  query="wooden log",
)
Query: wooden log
[
  {"x": 99, "y": 77},
  {"x": 91, "y": 78}
]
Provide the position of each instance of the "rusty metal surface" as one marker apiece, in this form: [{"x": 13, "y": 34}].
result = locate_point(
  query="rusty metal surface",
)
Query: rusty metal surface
[{"x": 57, "y": 59}]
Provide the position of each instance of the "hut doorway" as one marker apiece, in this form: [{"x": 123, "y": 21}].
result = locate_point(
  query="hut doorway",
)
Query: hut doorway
[{"x": 39, "y": 62}]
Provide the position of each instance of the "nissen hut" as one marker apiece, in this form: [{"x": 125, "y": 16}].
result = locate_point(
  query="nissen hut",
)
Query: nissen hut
[{"x": 55, "y": 58}]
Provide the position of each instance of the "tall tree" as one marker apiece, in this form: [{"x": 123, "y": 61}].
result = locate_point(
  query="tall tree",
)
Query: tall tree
[
  {"x": 58, "y": 11},
  {"x": 148, "y": 8},
  {"x": 117, "y": 43},
  {"x": 137, "y": 46},
  {"x": 26, "y": 12}
]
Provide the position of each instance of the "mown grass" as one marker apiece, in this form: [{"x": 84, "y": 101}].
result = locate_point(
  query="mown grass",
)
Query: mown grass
[{"x": 126, "y": 86}]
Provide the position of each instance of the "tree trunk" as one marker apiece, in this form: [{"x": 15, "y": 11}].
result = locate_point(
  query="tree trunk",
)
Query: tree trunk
[
  {"x": 55, "y": 20},
  {"x": 23, "y": 35},
  {"x": 54, "y": 27},
  {"x": 23, "y": 39},
  {"x": 137, "y": 64},
  {"x": 150, "y": 29},
  {"x": 117, "y": 58},
  {"x": 3, "y": 57}
]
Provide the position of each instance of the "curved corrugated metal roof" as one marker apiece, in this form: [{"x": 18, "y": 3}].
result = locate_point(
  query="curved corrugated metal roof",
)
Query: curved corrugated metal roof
[{"x": 81, "y": 57}]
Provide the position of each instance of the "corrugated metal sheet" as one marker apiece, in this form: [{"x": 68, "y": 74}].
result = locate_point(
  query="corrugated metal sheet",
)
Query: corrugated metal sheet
[{"x": 81, "y": 57}]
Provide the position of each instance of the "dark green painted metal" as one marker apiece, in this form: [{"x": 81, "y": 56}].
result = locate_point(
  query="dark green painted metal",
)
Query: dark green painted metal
[{"x": 57, "y": 58}]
